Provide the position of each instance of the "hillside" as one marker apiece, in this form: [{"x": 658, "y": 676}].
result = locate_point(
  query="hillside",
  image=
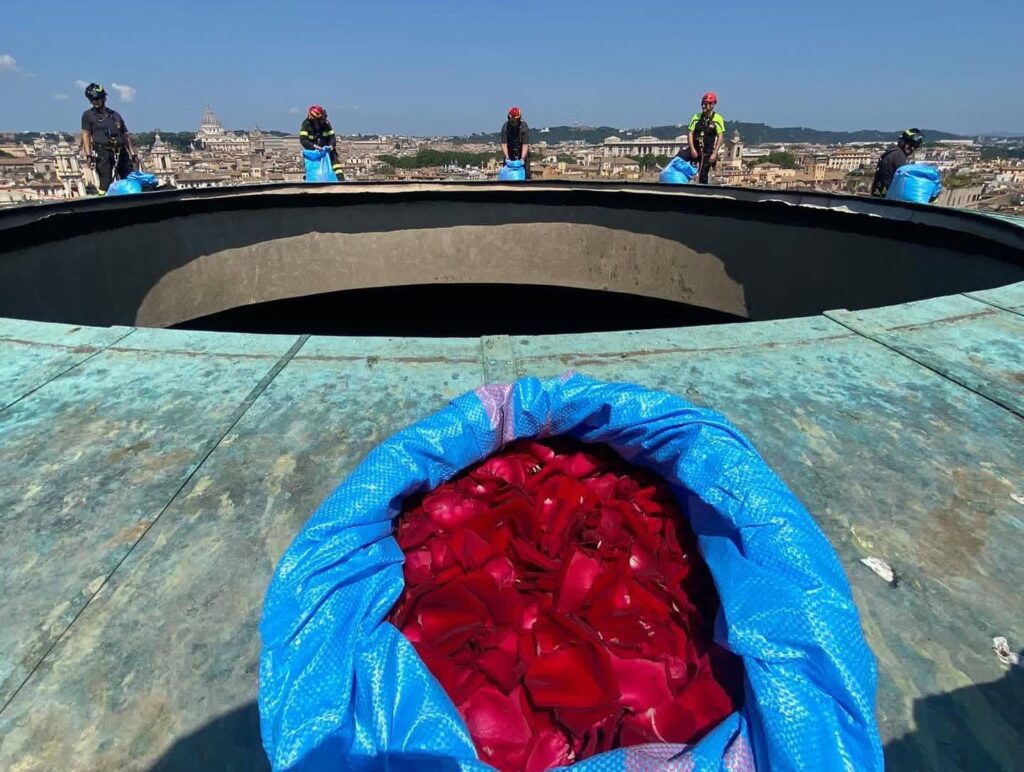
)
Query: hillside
[{"x": 752, "y": 134}]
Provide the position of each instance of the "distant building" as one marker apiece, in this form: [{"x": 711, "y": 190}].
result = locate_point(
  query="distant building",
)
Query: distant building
[
  {"x": 286, "y": 144},
  {"x": 815, "y": 167},
  {"x": 735, "y": 151},
  {"x": 617, "y": 166},
  {"x": 1005, "y": 175},
  {"x": 962, "y": 198},
  {"x": 19, "y": 168},
  {"x": 160, "y": 162},
  {"x": 192, "y": 180},
  {"x": 616, "y": 146},
  {"x": 69, "y": 172},
  {"x": 848, "y": 159},
  {"x": 212, "y": 136}
]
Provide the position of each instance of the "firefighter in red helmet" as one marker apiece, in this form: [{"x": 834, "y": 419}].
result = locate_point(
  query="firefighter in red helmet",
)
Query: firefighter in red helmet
[
  {"x": 317, "y": 133},
  {"x": 515, "y": 139}
]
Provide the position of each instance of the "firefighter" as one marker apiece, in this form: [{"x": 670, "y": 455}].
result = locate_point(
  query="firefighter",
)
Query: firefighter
[
  {"x": 704, "y": 137},
  {"x": 892, "y": 159},
  {"x": 105, "y": 140},
  {"x": 317, "y": 133}
]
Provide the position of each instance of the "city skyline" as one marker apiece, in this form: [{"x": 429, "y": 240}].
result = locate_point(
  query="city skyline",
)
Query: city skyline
[
  {"x": 399, "y": 68},
  {"x": 634, "y": 128}
]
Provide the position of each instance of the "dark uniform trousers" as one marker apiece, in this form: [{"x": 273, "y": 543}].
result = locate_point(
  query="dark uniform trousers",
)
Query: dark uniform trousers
[
  {"x": 703, "y": 163},
  {"x": 109, "y": 161}
]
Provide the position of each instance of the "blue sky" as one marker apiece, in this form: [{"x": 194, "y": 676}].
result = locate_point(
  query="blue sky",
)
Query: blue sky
[{"x": 455, "y": 67}]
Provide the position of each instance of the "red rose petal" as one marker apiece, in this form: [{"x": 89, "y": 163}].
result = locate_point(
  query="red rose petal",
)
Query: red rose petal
[
  {"x": 417, "y": 567},
  {"x": 450, "y": 613},
  {"x": 529, "y": 555},
  {"x": 469, "y": 549},
  {"x": 500, "y": 667},
  {"x": 641, "y": 682},
  {"x": 414, "y": 532},
  {"x": 642, "y": 560},
  {"x": 441, "y": 555},
  {"x": 511, "y": 468},
  {"x": 637, "y": 729},
  {"x": 576, "y": 677},
  {"x": 539, "y": 451},
  {"x": 502, "y": 571},
  {"x": 546, "y": 750},
  {"x": 622, "y": 628},
  {"x": 579, "y": 722},
  {"x": 449, "y": 508},
  {"x": 687, "y": 717},
  {"x": 560, "y": 591},
  {"x": 499, "y": 603},
  {"x": 578, "y": 464},
  {"x": 575, "y": 579},
  {"x": 498, "y": 727},
  {"x": 600, "y": 488},
  {"x": 528, "y": 615}
]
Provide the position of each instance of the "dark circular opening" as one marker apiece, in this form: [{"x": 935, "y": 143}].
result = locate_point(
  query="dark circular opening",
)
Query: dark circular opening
[
  {"x": 436, "y": 260},
  {"x": 459, "y": 310}
]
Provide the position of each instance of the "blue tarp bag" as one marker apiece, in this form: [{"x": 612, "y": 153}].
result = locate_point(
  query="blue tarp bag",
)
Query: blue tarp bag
[
  {"x": 125, "y": 187},
  {"x": 678, "y": 172},
  {"x": 341, "y": 689},
  {"x": 146, "y": 181},
  {"x": 318, "y": 166},
  {"x": 135, "y": 182},
  {"x": 917, "y": 183},
  {"x": 512, "y": 171}
]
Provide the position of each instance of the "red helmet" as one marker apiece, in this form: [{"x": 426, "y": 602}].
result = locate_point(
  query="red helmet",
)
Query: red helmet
[
  {"x": 514, "y": 112},
  {"x": 316, "y": 111},
  {"x": 711, "y": 97}
]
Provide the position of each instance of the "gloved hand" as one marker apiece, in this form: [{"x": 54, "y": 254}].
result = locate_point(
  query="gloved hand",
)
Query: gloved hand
[
  {"x": 90, "y": 158},
  {"x": 135, "y": 161}
]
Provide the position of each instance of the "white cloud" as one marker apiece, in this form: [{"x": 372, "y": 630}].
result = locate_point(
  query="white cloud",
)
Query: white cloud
[
  {"x": 61, "y": 97},
  {"x": 80, "y": 84},
  {"x": 293, "y": 110},
  {"x": 127, "y": 93},
  {"x": 8, "y": 64}
]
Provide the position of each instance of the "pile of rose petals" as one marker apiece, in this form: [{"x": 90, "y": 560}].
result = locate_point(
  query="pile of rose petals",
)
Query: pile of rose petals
[{"x": 558, "y": 596}]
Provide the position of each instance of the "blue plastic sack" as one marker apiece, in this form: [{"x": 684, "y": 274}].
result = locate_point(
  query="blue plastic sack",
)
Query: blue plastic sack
[
  {"x": 678, "y": 172},
  {"x": 917, "y": 183},
  {"x": 342, "y": 689},
  {"x": 318, "y": 166},
  {"x": 125, "y": 187},
  {"x": 512, "y": 171},
  {"x": 135, "y": 182},
  {"x": 146, "y": 181}
]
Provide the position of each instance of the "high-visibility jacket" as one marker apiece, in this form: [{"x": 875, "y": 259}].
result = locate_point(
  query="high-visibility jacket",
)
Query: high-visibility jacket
[{"x": 317, "y": 133}]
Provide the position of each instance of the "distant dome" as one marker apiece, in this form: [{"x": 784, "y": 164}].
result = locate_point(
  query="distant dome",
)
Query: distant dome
[
  {"x": 612, "y": 139},
  {"x": 210, "y": 125}
]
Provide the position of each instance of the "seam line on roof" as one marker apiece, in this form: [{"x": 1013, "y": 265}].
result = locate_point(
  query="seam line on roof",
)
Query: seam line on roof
[
  {"x": 945, "y": 376},
  {"x": 203, "y": 455},
  {"x": 67, "y": 370},
  {"x": 994, "y": 305}
]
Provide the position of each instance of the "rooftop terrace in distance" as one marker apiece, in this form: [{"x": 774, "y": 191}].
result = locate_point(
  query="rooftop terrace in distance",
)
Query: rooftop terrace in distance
[{"x": 151, "y": 477}]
